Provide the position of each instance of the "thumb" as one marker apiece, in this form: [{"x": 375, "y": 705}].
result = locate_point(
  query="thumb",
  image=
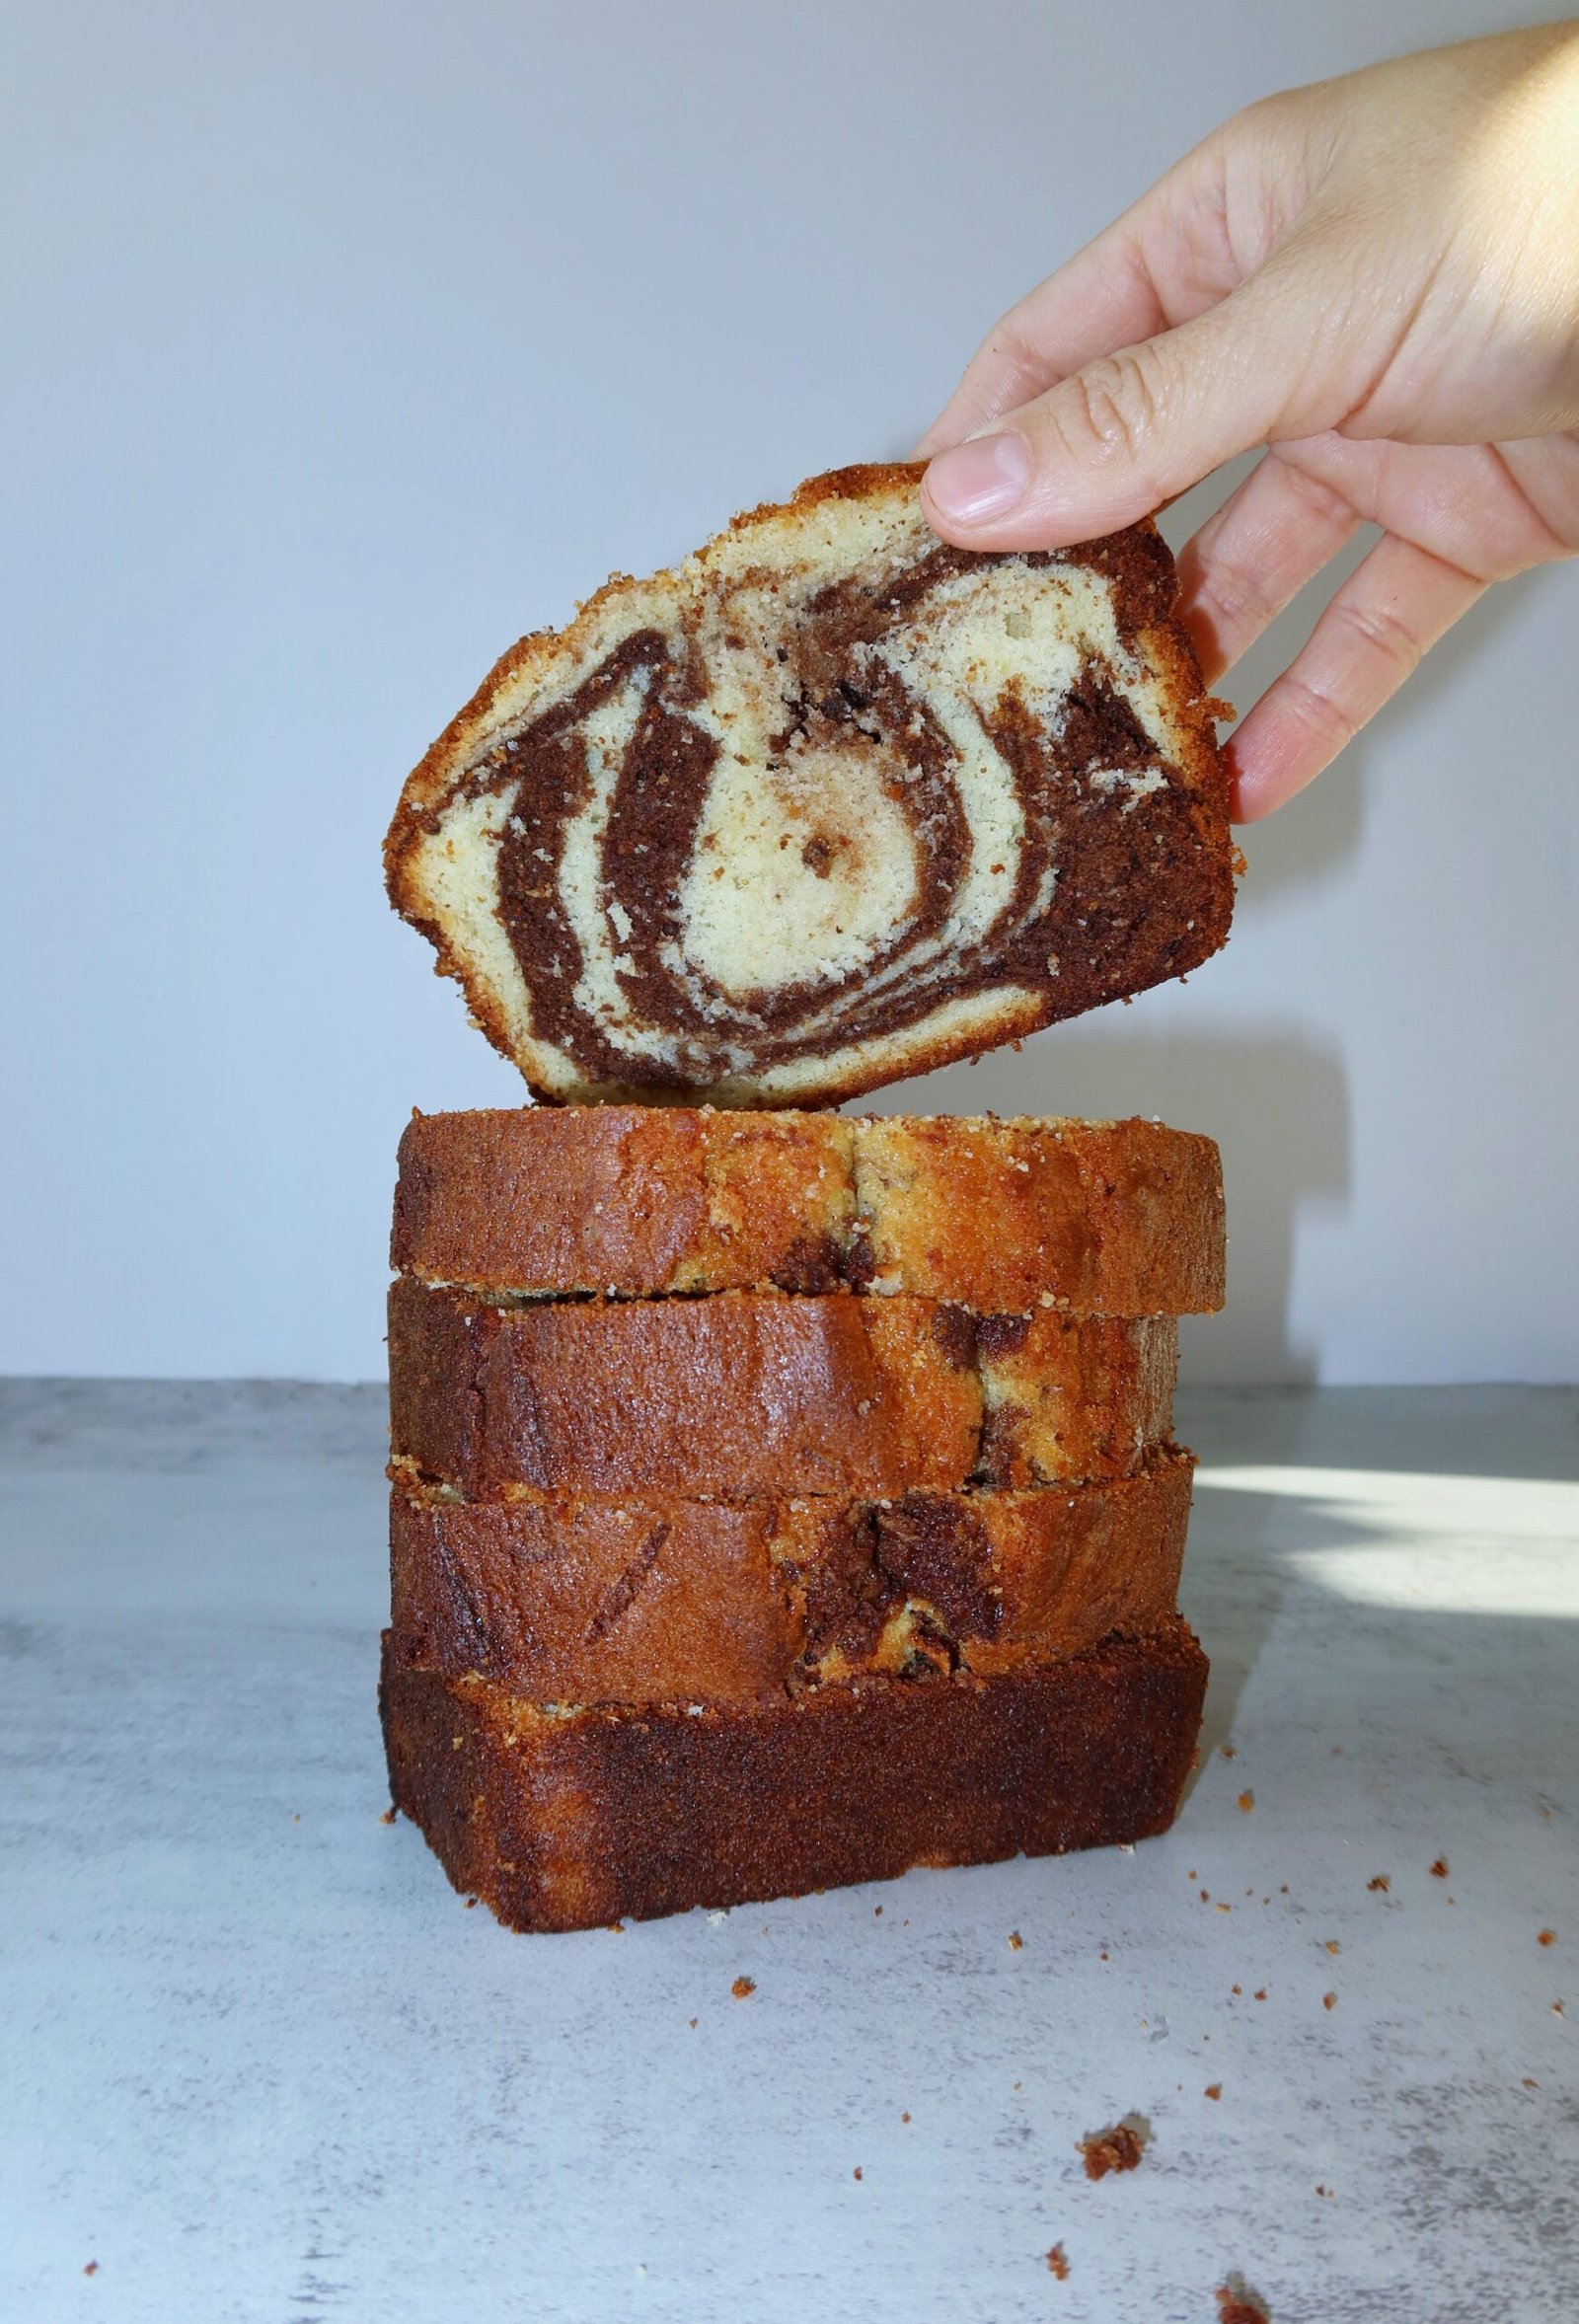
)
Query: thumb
[{"x": 1123, "y": 434}]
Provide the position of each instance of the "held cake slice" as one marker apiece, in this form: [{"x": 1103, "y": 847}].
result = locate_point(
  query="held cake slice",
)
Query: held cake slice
[
  {"x": 568, "y": 1818},
  {"x": 829, "y": 804},
  {"x": 1103, "y": 1218},
  {"x": 660, "y": 1600},
  {"x": 746, "y": 1395}
]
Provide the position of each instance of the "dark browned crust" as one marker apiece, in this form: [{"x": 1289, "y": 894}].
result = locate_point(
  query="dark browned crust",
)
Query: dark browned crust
[
  {"x": 1112, "y": 1218},
  {"x": 748, "y": 1395},
  {"x": 661, "y": 1600},
  {"x": 576, "y": 1822},
  {"x": 1140, "y": 897}
]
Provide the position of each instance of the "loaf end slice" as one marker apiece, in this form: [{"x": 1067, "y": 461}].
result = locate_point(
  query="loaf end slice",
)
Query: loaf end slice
[
  {"x": 576, "y": 1821},
  {"x": 831, "y": 803}
]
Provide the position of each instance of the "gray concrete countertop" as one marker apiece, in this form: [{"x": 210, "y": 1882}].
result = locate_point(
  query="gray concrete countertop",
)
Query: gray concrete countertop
[{"x": 260, "y": 2063}]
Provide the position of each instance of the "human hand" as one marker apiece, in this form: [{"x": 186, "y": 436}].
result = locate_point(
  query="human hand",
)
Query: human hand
[{"x": 1378, "y": 278}]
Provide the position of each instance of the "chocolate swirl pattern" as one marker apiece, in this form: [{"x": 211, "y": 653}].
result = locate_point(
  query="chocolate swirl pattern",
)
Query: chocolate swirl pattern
[{"x": 827, "y": 806}]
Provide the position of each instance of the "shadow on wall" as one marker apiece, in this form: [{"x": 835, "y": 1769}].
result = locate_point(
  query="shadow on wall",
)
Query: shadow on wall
[{"x": 1275, "y": 1100}]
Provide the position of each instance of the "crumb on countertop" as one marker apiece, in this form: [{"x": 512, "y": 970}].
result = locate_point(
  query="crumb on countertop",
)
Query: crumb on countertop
[
  {"x": 1247, "y": 1802},
  {"x": 1057, "y": 2264},
  {"x": 743, "y": 1988},
  {"x": 1438, "y": 1870},
  {"x": 1237, "y": 2305},
  {"x": 1117, "y": 2148},
  {"x": 1379, "y": 1881},
  {"x": 1016, "y": 1941},
  {"x": 1329, "y": 2000}
]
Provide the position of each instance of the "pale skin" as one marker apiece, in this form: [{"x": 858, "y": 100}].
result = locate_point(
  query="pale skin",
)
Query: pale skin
[{"x": 1376, "y": 279}]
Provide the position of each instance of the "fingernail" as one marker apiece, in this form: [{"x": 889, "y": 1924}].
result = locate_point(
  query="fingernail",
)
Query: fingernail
[{"x": 981, "y": 478}]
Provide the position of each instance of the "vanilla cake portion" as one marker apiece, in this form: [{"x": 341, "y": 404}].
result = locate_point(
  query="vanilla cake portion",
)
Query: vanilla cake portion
[{"x": 829, "y": 804}]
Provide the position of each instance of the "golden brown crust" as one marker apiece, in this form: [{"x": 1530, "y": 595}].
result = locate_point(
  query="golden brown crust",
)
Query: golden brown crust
[
  {"x": 562, "y": 1823},
  {"x": 1109, "y": 1217},
  {"x": 663, "y": 1600},
  {"x": 1106, "y": 1218},
  {"x": 748, "y": 1395},
  {"x": 1072, "y": 1396}
]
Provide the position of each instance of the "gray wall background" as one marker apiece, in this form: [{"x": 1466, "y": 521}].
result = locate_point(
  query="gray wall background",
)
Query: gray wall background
[{"x": 348, "y": 342}]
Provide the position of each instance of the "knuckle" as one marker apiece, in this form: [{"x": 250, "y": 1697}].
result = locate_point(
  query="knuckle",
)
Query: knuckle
[
  {"x": 1317, "y": 497},
  {"x": 1322, "y": 718},
  {"x": 1239, "y": 597},
  {"x": 1378, "y": 625},
  {"x": 1116, "y": 403}
]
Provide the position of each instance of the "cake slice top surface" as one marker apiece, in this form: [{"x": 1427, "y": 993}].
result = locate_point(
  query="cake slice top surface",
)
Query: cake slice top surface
[{"x": 829, "y": 803}]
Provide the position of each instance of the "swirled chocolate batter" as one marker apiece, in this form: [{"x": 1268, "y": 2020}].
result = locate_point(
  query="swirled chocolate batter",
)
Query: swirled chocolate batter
[{"x": 829, "y": 804}]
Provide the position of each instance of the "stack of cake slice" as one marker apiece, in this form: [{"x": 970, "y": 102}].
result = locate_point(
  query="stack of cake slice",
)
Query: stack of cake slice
[{"x": 780, "y": 1500}]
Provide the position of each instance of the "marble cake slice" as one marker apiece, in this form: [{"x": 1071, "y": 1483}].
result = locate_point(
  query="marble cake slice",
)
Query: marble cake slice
[
  {"x": 656, "y": 1598},
  {"x": 829, "y": 804},
  {"x": 548, "y": 1201},
  {"x": 750, "y": 1394},
  {"x": 560, "y": 1818}
]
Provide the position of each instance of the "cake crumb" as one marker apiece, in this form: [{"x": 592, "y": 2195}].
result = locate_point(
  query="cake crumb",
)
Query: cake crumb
[
  {"x": 1247, "y": 1802},
  {"x": 692, "y": 2024},
  {"x": 1558, "y": 2009},
  {"x": 469, "y": 1902},
  {"x": 1329, "y": 2000},
  {"x": 1057, "y": 2264},
  {"x": 1259, "y": 1994},
  {"x": 1016, "y": 1942},
  {"x": 92, "y": 2269},
  {"x": 1333, "y": 1945},
  {"x": 1379, "y": 1881},
  {"x": 388, "y": 1817},
  {"x": 1117, "y": 2148},
  {"x": 1547, "y": 1936},
  {"x": 1237, "y": 2305},
  {"x": 1213, "y": 2089},
  {"x": 1438, "y": 1870},
  {"x": 858, "y": 2170},
  {"x": 743, "y": 1988},
  {"x": 1228, "y": 1751},
  {"x": 904, "y": 2118},
  {"x": 1531, "y": 2083}
]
